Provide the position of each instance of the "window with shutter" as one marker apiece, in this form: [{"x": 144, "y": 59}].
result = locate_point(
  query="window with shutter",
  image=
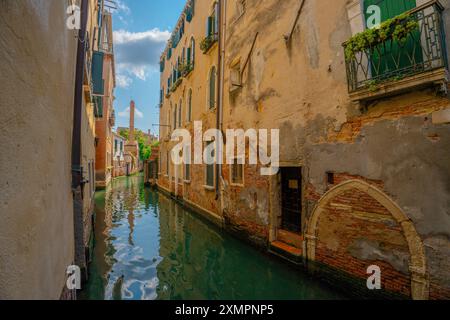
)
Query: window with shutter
[
  {"x": 175, "y": 117},
  {"x": 212, "y": 88},
  {"x": 209, "y": 26},
  {"x": 237, "y": 173},
  {"x": 190, "y": 105},
  {"x": 188, "y": 60},
  {"x": 187, "y": 172},
  {"x": 180, "y": 114},
  {"x": 193, "y": 51},
  {"x": 381, "y": 62},
  {"x": 210, "y": 168}
]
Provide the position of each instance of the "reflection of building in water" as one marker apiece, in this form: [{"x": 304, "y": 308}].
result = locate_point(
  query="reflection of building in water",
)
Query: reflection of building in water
[
  {"x": 178, "y": 246},
  {"x": 132, "y": 146}
]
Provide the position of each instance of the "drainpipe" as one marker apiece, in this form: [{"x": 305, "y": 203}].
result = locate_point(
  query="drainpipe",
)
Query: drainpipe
[
  {"x": 219, "y": 116},
  {"x": 77, "y": 170}
]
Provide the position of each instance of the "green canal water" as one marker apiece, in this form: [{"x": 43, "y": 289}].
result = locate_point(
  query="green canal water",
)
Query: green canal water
[{"x": 149, "y": 247}]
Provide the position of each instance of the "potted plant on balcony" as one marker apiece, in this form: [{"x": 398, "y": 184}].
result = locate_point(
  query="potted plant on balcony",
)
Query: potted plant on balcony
[
  {"x": 208, "y": 42},
  {"x": 186, "y": 68},
  {"x": 396, "y": 29}
]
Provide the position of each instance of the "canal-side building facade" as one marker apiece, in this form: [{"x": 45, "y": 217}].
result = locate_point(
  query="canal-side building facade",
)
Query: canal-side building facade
[
  {"x": 93, "y": 97},
  {"x": 189, "y": 91},
  {"x": 119, "y": 155},
  {"x": 105, "y": 115},
  {"x": 364, "y": 139},
  {"x": 47, "y": 102}
]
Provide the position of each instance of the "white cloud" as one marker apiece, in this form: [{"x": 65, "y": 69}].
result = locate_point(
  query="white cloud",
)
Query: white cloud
[
  {"x": 126, "y": 113},
  {"x": 123, "y": 81},
  {"x": 137, "y": 53},
  {"x": 122, "y": 7}
]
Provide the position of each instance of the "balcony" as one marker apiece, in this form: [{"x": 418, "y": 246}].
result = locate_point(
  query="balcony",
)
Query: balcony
[
  {"x": 404, "y": 53},
  {"x": 176, "y": 84},
  {"x": 186, "y": 69},
  {"x": 208, "y": 42}
]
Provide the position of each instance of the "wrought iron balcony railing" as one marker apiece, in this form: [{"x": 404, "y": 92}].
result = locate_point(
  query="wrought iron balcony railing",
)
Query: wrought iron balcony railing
[{"x": 423, "y": 49}]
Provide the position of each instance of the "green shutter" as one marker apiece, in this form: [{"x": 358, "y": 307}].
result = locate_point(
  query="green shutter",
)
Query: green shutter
[
  {"x": 385, "y": 65},
  {"x": 97, "y": 73},
  {"x": 212, "y": 89},
  {"x": 210, "y": 167},
  {"x": 188, "y": 55},
  {"x": 209, "y": 26}
]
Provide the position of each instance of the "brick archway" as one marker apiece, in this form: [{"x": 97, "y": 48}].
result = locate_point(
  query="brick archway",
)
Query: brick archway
[{"x": 417, "y": 266}]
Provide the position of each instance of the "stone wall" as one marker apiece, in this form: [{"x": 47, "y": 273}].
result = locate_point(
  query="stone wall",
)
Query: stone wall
[{"x": 37, "y": 63}]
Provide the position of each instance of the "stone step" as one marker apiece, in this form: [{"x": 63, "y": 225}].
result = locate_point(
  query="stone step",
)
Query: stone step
[{"x": 286, "y": 251}]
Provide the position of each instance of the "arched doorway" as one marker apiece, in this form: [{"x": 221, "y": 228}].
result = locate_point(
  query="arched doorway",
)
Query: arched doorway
[{"x": 356, "y": 212}]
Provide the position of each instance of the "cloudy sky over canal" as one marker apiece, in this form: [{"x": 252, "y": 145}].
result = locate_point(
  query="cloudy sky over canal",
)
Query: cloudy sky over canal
[{"x": 141, "y": 29}]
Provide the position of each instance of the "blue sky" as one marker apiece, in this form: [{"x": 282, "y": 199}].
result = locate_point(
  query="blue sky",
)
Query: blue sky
[{"x": 141, "y": 29}]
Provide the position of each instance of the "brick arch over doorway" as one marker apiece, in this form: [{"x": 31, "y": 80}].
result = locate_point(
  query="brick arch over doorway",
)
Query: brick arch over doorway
[{"x": 344, "y": 213}]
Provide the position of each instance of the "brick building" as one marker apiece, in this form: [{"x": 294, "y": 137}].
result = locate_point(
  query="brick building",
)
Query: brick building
[
  {"x": 364, "y": 134},
  {"x": 105, "y": 115}
]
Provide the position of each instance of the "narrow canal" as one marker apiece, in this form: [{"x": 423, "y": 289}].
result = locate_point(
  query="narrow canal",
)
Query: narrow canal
[{"x": 149, "y": 247}]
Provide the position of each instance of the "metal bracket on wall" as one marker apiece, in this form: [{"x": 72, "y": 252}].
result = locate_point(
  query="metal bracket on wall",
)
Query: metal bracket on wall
[
  {"x": 288, "y": 37},
  {"x": 249, "y": 55}
]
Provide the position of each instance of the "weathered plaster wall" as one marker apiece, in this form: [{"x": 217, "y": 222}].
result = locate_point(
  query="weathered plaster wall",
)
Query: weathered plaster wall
[
  {"x": 197, "y": 81},
  {"x": 88, "y": 142},
  {"x": 301, "y": 89},
  {"x": 103, "y": 129},
  {"x": 37, "y": 61}
]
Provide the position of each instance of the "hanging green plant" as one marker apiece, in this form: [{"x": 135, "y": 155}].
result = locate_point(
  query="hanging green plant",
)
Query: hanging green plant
[
  {"x": 396, "y": 29},
  {"x": 207, "y": 43}
]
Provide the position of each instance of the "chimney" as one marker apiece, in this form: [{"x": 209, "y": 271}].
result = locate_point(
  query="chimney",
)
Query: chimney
[{"x": 132, "y": 109}]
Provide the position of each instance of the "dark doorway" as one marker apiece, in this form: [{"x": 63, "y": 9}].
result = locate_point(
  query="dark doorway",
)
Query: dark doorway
[{"x": 291, "y": 198}]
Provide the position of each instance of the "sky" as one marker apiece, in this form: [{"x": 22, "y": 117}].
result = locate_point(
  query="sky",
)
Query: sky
[{"x": 141, "y": 30}]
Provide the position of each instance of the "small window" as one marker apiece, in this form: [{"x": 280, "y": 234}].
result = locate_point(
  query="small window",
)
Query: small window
[
  {"x": 191, "y": 53},
  {"x": 212, "y": 89},
  {"x": 235, "y": 76},
  {"x": 189, "y": 107},
  {"x": 167, "y": 163},
  {"x": 187, "y": 172},
  {"x": 237, "y": 172},
  {"x": 175, "y": 117},
  {"x": 210, "y": 169},
  {"x": 180, "y": 120},
  {"x": 330, "y": 177}
]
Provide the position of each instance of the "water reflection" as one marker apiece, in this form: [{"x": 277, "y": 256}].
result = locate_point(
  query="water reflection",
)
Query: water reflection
[{"x": 148, "y": 247}]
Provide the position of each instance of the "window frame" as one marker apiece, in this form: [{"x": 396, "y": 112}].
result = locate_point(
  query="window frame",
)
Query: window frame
[
  {"x": 208, "y": 96},
  {"x": 212, "y": 186},
  {"x": 242, "y": 182},
  {"x": 189, "y": 106}
]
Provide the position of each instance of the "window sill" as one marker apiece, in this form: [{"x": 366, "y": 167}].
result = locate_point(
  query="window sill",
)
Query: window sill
[
  {"x": 209, "y": 188},
  {"x": 237, "y": 185},
  {"x": 187, "y": 181}
]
